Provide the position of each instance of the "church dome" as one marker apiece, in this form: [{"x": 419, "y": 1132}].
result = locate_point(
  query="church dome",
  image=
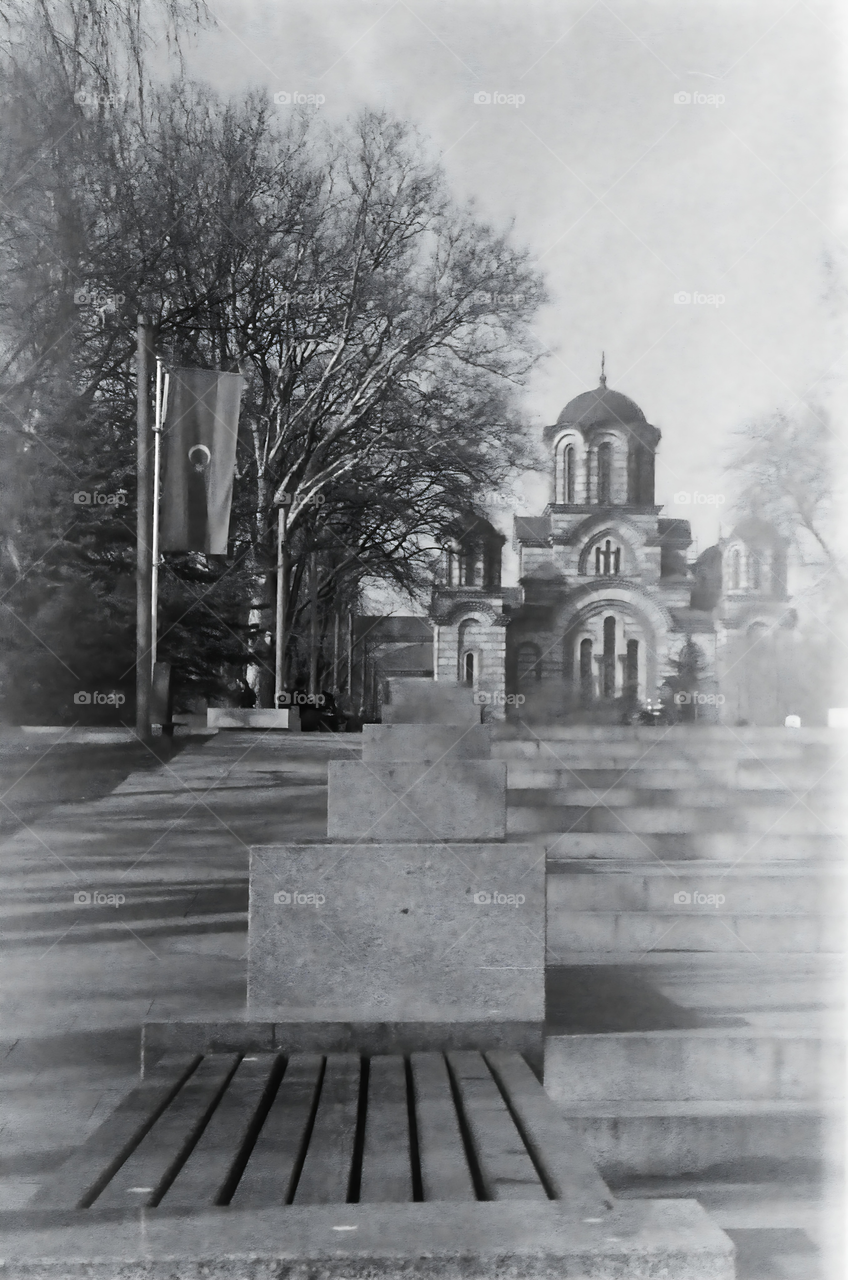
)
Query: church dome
[{"x": 600, "y": 408}]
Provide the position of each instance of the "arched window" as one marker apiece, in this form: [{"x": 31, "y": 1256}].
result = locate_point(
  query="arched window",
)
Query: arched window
[
  {"x": 604, "y": 472},
  {"x": 609, "y": 658},
  {"x": 631, "y": 669},
  {"x": 568, "y": 463},
  {"x": 528, "y": 666},
  {"x": 468, "y": 568},
  {"x": 586, "y": 682},
  {"x": 754, "y": 576},
  {"x": 607, "y": 559},
  {"x": 468, "y": 668},
  {"x": 735, "y": 569}
]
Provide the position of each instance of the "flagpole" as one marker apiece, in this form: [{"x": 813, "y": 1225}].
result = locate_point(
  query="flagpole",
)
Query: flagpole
[
  {"x": 280, "y": 626},
  {"x": 162, "y": 383},
  {"x": 144, "y": 515}
]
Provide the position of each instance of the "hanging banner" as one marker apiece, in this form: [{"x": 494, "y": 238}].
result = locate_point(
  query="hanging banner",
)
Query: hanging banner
[{"x": 199, "y": 459}]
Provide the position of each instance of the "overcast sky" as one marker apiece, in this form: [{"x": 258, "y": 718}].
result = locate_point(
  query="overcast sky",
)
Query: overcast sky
[{"x": 625, "y": 195}]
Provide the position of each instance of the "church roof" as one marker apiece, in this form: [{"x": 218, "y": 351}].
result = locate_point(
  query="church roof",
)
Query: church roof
[
  {"x": 470, "y": 524},
  {"x": 599, "y": 408},
  {"x": 532, "y": 530},
  {"x": 756, "y": 532}
]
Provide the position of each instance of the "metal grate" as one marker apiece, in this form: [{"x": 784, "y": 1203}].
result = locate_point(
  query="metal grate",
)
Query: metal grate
[{"x": 258, "y": 1130}]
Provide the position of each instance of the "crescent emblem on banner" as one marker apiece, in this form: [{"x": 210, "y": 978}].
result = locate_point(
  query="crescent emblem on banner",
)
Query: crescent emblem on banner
[{"x": 202, "y": 462}]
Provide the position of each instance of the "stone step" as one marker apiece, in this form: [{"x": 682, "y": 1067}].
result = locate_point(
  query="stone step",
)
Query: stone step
[
  {"x": 607, "y": 936},
  {"x": 557, "y": 788},
  {"x": 700, "y": 887},
  {"x": 666, "y": 1103},
  {"x": 549, "y": 773},
  {"x": 595, "y": 755},
  {"x": 721, "y": 1140},
  {"x": 698, "y": 736},
  {"x": 643, "y": 847},
  {"x": 528, "y": 812},
  {"x": 729, "y": 1064}
]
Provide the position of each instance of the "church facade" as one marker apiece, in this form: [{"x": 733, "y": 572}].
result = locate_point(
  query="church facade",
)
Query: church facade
[{"x": 608, "y": 613}]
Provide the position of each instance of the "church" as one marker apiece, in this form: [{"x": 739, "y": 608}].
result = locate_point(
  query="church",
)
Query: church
[{"x": 608, "y": 614}]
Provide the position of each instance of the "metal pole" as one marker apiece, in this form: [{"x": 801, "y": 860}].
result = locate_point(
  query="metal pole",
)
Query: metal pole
[
  {"x": 144, "y": 522},
  {"x": 335, "y": 651},
  {"x": 280, "y": 628},
  {"x": 313, "y": 624},
  {"x": 161, "y": 403}
]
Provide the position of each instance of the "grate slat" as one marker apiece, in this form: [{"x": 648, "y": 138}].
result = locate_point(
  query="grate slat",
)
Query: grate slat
[
  {"x": 205, "y": 1176},
  {"x": 325, "y": 1176},
  {"x": 565, "y": 1164},
  {"x": 386, "y": 1160},
  {"x": 81, "y": 1177},
  {"x": 165, "y": 1146},
  {"x": 275, "y": 1160},
  {"x": 506, "y": 1169},
  {"x": 445, "y": 1174}
]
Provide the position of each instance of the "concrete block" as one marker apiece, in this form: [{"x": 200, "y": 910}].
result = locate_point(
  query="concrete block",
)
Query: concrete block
[
  {"x": 407, "y": 933},
  {"x": 418, "y": 701},
  {"x": 252, "y": 718},
  {"x": 639, "y": 1239},
  {"x": 428, "y": 743},
  {"x": 460, "y": 800}
]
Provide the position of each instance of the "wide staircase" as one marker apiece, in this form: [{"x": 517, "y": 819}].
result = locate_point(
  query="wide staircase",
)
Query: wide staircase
[{"x": 695, "y": 935}]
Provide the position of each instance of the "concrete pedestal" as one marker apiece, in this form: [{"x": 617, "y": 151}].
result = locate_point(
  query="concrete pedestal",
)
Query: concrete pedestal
[{"x": 397, "y": 932}]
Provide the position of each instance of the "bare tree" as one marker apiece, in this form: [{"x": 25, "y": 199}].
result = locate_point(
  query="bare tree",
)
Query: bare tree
[{"x": 786, "y": 467}]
